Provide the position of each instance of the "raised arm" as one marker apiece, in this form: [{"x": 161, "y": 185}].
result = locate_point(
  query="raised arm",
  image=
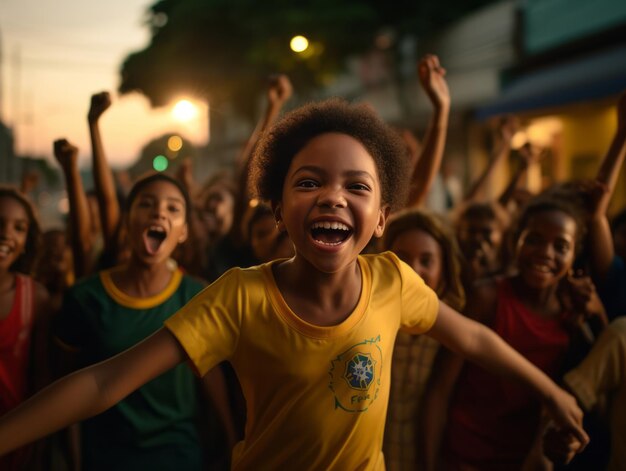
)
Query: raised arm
[
  {"x": 433, "y": 82},
  {"x": 502, "y": 148},
  {"x": 89, "y": 391},
  {"x": 103, "y": 176},
  {"x": 528, "y": 157},
  {"x": 279, "y": 91},
  {"x": 600, "y": 237},
  {"x": 80, "y": 233},
  {"x": 481, "y": 345}
]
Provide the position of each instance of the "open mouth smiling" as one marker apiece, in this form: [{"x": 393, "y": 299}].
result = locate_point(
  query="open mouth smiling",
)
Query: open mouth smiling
[
  {"x": 5, "y": 249},
  {"x": 330, "y": 233},
  {"x": 540, "y": 267},
  {"x": 153, "y": 237}
]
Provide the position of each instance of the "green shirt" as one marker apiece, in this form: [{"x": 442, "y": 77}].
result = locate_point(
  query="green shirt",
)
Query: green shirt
[{"x": 154, "y": 427}]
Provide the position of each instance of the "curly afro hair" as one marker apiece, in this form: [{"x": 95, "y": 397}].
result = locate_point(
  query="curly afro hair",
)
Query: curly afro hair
[{"x": 276, "y": 149}]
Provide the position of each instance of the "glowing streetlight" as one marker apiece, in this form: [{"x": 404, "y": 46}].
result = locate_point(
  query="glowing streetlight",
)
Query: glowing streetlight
[
  {"x": 299, "y": 44},
  {"x": 184, "y": 110}
]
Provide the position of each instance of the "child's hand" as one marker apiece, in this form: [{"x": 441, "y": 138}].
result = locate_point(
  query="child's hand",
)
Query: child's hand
[
  {"x": 65, "y": 153},
  {"x": 100, "y": 102},
  {"x": 567, "y": 415},
  {"x": 560, "y": 447},
  {"x": 530, "y": 155},
  {"x": 582, "y": 300},
  {"x": 507, "y": 127},
  {"x": 432, "y": 79},
  {"x": 279, "y": 90}
]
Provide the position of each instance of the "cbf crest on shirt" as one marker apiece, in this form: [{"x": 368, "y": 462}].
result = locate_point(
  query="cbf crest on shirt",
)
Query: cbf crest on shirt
[{"x": 355, "y": 376}]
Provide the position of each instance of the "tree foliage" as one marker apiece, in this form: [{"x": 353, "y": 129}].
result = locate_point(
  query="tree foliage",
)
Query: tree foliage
[{"x": 222, "y": 49}]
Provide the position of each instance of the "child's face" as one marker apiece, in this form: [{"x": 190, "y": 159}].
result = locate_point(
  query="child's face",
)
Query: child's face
[
  {"x": 58, "y": 254},
  {"x": 421, "y": 252},
  {"x": 546, "y": 248},
  {"x": 331, "y": 202},
  {"x": 156, "y": 222},
  {"x": 14, "y": 226},
  {"x": 479, "y": 239},
  {"x": 217, "y": 213}
]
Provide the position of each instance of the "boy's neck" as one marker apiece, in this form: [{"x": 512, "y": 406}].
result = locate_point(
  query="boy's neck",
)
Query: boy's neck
[
  {"x": 322, "y": 299},
  {"x": 139, "y": 280}
]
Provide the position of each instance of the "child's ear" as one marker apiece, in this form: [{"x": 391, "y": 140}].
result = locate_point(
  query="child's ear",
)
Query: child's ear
[
  {"x": 184, "y": 234},
  {"x": 383, "y": 214},
  {"x": 278, "y": 215}
]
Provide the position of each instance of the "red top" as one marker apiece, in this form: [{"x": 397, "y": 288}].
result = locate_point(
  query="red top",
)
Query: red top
[
  {"x": 15, "y": 330},
  {"x": 493, "y": 421}
]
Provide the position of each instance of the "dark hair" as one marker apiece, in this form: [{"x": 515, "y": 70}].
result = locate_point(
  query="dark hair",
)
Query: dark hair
[
  {"x": 277, "y": 148},
  {"x": 144, "y": 181},
  {"x": 484, "y": 210},
  {"x": 451, "y": 290},
  {"x": 24, "y": 263},
  {"x": 551, "y": 202}
]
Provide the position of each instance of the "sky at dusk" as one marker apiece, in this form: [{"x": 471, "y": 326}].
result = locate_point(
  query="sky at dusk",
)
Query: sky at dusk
[{"x": 55, "y": 55}]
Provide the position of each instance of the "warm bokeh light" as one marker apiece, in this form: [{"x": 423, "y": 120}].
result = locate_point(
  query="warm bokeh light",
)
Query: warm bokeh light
[
  {"x": 184, "y": 110},
  {"x": 542, "y": 130},
  {"x": 299, "y": 44},
  {"x": 160, "y": 163},
  {"x": 519, "y": 139},
  {"x": 175, "y": 143}
]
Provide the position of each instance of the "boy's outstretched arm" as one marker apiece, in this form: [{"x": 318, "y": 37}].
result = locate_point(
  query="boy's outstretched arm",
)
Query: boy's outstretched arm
[
  {"x": 432, "y": 80},
  {"x": 89, "y": 391},
  {"x": 103, "y": 176},
  {"x": 483, "y": 346}
]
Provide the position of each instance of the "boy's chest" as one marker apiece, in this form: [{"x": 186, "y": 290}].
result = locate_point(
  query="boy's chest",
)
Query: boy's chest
[{"x": 345, "y": 371}]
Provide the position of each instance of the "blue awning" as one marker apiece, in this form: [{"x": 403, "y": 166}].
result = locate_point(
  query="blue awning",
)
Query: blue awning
[{"x": 593, "y": 77}]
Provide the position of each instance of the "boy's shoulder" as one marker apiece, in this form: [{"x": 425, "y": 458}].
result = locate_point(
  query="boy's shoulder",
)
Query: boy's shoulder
[
  {"x": 386, "y": 263},
  {"x": 192, "y": 283},
  {"x": 238, "y": 278},
  {"x": 86, "y": 284}
]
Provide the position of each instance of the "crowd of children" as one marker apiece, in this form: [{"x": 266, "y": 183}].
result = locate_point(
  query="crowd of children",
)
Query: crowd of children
[{"x": 306, "y": 311}]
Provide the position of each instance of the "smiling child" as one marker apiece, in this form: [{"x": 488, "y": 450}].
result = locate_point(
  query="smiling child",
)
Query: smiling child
[{"x": 310, "y": 337}]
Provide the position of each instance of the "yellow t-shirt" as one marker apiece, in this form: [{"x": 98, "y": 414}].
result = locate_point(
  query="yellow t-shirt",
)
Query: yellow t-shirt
[{"x": 316, "y": 396}]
